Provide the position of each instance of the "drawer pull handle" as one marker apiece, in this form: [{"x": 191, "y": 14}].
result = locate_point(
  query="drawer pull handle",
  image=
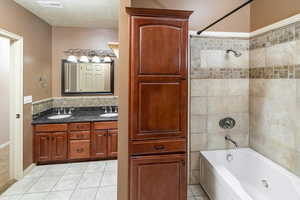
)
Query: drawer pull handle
[
  {"x": 79, "y": 136},
  {"x": 159, "y": 147},
  {"x": 80, "y": 150}
]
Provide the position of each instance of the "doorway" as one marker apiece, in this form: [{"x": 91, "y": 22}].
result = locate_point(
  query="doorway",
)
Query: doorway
[{"x": 11, "y": 47}]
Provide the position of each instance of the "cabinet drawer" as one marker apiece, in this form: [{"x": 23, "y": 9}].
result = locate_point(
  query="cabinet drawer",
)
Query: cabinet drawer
[
  {"x": 51, "y": 128},
  {"x": 80, "y": 127},
  {"x": 105, "y": 125},
  {"x": 79, "y": 135},
  {"x": 79, "y": 149},
  {"x": 157, "y": 147}
]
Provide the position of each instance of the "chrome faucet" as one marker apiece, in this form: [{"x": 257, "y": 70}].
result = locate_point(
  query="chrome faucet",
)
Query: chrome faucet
[{"x": 228, "y": 138}]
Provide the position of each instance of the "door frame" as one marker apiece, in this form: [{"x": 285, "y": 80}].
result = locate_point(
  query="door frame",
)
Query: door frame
[{"x": 16, "y": 105}]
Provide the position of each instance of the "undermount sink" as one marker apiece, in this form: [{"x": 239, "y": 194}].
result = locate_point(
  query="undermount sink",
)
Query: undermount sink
[
  {"x": 59, "y": 116},
  {"x": 110, "y": 115}
]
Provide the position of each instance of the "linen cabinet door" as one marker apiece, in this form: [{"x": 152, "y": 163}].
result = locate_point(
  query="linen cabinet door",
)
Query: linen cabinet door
[
  {"x": 158, "y": 78},
  {"x": 158, "y": 177},
  {"x": 59, "y": 146},
  {"x": 42, "y": 147}
]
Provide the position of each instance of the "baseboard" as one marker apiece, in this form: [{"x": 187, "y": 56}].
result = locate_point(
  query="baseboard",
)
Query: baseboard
[{"x": 29, "y": 168}]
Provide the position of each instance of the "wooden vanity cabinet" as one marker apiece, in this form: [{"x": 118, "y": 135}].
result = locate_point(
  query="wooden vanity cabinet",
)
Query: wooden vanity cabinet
[
  {"x": 75, "y": 141},
  {"x": 158, "y": 104},
  {"x": 50, "y": 143}
]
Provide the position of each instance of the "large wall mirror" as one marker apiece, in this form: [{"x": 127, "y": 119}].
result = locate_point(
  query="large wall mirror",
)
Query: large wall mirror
[{"x": 87, "y": 78}]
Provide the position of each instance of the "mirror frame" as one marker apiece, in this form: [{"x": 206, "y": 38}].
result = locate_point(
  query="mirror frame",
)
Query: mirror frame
[{"x": 112, "y": 83}]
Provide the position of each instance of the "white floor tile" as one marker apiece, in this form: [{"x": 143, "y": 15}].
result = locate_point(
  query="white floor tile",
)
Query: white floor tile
[
  {"x": 36, "y": 172},
  {"x": 84, "y": 194},
  {"x": 109, "y": 178},
  {"x": 54, "y": 172},
  {"x": 62, "y": 195},
  {"x": 75, "y": 170},
  {"x": 90, "y": 180},
  {"x": 17, "y": 197},
  {"x": 95, "y": 167},
  {"x": 107, "y": 193},
  {"x": 35, "y": 196},
  {"x": 67, "y": 182},
  {"x": 21, "y": 186},
  {"x": 44, "y": 184}
]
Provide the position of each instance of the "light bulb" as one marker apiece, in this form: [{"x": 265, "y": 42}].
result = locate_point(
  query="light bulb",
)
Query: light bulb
[
  {"x": 84, "y": 59},
  {"x": 107, "y": 59},
  {"x": 72, "y": 58},
  {"x": 96, "y": 59}
]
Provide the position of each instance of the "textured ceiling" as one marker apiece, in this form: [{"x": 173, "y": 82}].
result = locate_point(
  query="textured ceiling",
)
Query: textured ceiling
[{"x": 77, "y": 13}]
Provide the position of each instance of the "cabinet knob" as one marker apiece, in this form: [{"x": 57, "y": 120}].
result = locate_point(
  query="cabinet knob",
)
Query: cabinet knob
[{"x": 80, "y": 150}]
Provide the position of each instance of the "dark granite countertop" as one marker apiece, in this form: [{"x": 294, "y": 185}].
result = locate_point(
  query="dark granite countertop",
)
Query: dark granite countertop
[{"x": 77, "y": 116}]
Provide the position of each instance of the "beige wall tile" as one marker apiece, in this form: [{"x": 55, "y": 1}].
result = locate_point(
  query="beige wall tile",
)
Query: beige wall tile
[
  {"x": 195, "y": 160},
  {"x": 198, "y": 142},
  {"x": 258, "y": 58},
  {"x": 281, "y": 54},
  {"x": 198, "y": 123},
  {"x": 217, "y": 87},
  {"x": 238, "y": 87},
  {"x": 199, "y": 105},
  {"x": 199, "y": 87}
]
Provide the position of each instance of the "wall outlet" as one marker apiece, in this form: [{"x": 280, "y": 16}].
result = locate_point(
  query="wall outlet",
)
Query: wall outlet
[{"x": 27, "y": 99}]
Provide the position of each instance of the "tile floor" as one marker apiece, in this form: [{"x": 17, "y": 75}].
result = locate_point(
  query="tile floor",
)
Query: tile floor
[{"x": 73, "y": 181}]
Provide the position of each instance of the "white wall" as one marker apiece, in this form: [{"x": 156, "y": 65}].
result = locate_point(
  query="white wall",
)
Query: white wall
[{"x": 4, "y": 89}]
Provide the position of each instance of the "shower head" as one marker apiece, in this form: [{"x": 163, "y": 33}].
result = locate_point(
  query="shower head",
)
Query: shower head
[{"x": 236, "y": 54}]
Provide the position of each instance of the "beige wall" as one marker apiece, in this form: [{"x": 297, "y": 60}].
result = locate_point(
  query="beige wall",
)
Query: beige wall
[
  {"x": 206, "y": 12},
  {"x": 266, "y": 12},
  {"x": 64, "y": 38},
  {"x": 4, "y": 88},
  {"x": 37, "y": 59},
  {"x": 123, "y": 101}
]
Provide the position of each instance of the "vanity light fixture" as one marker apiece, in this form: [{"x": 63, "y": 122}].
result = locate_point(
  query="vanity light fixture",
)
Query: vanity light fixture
[{"x": 84, "y": 59}]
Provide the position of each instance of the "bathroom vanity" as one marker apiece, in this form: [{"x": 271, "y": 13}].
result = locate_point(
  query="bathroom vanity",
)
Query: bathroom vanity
[{"x": 86, "y": 135}]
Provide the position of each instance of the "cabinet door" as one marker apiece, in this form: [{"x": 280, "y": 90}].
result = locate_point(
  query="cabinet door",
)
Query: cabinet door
[
  {"x": 42, "y": 147},
  {"x": 99, "y": 144},
  {"x": 158, "y": 177},
  {"x": 112, "y": 143},
  {"x": 158, "y": 78},
  {"x": 59, "y": 146}
]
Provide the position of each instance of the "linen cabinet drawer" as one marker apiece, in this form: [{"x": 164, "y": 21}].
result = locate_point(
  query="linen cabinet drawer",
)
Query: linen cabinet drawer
[
  {"x": 80, "y": 135},
  {"x": 80, "y": 127},
  {"x": 158, "y": 147},
  {"x": 79, "y": 149}
]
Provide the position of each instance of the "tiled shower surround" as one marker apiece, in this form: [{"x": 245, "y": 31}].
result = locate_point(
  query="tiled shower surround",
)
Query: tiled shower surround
[
  {"x": 275, "y": 96},
  {"x": 66, "y": 102},
  {"x": 219, "y": 89},
  {"x": 260, "y": 89}
]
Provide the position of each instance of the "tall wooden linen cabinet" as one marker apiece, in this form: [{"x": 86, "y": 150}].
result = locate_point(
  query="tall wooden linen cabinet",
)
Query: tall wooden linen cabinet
[{"x": 158, "y": 104}]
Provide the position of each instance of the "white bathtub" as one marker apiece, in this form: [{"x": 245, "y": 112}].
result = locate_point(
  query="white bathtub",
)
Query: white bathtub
[{"x": 248, "y": 176}]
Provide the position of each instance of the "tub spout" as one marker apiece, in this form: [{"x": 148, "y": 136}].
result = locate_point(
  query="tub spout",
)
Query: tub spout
[{"x": 228, "y": 138}]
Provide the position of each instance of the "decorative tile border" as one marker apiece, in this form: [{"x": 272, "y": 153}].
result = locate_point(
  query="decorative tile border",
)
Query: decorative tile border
[
  {"x": 277, "y": 36},
  {"x": 57, "y": 102},
  {"x": 220, "y": 73},
  {"x": 278, "y": 72},
  {"x": 211, "y": 43}
]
